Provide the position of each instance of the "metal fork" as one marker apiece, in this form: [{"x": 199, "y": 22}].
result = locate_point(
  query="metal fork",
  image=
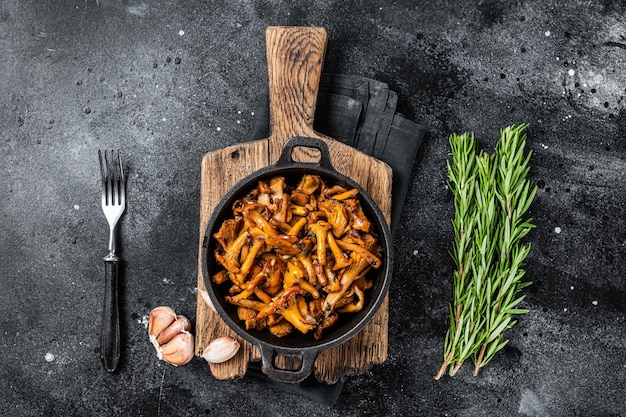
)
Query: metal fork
[{"x": 113, "y": 205}]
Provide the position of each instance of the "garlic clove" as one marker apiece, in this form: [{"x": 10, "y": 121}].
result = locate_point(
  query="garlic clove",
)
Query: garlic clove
[
  {"x": 207, "y": 299},
  {"x": 221, "y": 349},
  {"x": 177, "y": 326},
  {"x": 179, "y": 350},
  {"x": 160, "y": 318}
]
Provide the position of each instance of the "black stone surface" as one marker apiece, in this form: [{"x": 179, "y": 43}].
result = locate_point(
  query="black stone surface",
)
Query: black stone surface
[{"x": 168, "y": 81}]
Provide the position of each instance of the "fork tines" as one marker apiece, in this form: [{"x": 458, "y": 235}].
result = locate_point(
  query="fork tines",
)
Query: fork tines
[{"x": 112, "y": 176}]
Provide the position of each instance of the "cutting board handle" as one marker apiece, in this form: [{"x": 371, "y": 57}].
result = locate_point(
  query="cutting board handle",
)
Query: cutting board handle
[{"x": 295, "y": 57}]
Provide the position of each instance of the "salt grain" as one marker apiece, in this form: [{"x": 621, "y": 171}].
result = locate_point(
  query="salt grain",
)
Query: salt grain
[
  {"x": 571, "y": 288},
  {"x": 571, "y": 72},
  {"x": 76, "y": 207},
  {"x": 594, "y": 302},
  {"x": 181, "y": 32},
  {"x": 557, "y": 230},
  {"x": 415, "y": 252},
  {"x": 49, "y": 357},
  {"x": 547, "y": 33}
]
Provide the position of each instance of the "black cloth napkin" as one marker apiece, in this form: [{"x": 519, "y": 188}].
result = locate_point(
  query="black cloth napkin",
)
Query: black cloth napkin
[{"x": 359, "y": 112}]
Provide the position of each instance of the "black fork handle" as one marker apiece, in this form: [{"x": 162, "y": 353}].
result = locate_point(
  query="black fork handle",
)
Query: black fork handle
[{"x": 110, "y": 328}]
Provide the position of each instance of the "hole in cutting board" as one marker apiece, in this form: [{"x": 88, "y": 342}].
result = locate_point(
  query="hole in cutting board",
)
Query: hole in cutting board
[{"x": 305, "y": 154}]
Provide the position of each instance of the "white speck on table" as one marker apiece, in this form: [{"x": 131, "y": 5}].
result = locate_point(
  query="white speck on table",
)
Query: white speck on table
[
  {"x": 49, "y": 357},
  {"x": 532, "y": 405}
]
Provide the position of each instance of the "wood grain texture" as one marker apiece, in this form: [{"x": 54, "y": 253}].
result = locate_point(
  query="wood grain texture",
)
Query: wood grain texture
[{"x": 295, "y": 57}]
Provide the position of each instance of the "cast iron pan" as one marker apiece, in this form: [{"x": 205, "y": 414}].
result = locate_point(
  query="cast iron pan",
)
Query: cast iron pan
[{"x": 302, "y": 346}]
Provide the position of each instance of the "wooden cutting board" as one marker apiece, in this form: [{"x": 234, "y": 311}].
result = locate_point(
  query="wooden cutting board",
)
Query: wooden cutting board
[{"x": 295, "y": 57}]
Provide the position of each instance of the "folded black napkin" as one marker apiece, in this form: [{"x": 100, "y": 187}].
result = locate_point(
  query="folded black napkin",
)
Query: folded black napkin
[{"x": 359, "y": 112}]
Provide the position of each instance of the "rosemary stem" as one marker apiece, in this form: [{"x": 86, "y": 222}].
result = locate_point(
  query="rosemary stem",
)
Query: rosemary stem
[
  {"x": 444, "y": 366},
  {"x": 480, "y": 359}
]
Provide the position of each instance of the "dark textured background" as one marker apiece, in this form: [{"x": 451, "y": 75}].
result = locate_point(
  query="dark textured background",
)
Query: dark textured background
[{"x": 83, "y": 74}]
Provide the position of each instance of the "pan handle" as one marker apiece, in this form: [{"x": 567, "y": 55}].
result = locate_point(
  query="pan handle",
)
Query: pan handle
[
  {"x": 286, "y": 156},
  {"x": 295, "y": 57},
  {"x": 269, "y": 353}
]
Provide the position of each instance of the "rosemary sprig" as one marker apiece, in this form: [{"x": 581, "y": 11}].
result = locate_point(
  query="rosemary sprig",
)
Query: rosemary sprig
[{"x": 491, "y": 197}]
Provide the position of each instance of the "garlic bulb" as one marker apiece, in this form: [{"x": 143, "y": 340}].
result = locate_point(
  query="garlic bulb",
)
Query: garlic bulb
[
  {"x": 169, "y": 334},
  {"x": 221, "y": 349},
  {"x": 179, "y": 350}
]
